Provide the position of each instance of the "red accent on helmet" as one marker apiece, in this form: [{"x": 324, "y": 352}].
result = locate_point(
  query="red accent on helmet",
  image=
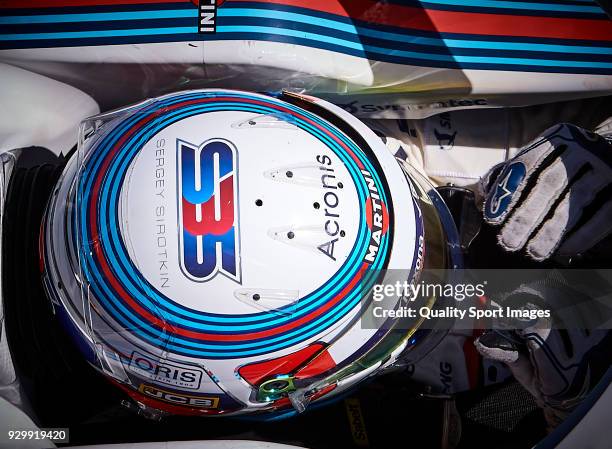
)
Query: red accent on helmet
[
  {"x": 321, "y": 363},
  {"x": 257, "y": 372}
]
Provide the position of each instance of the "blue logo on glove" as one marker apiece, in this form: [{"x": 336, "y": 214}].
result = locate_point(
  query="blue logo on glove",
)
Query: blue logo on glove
[{"x": 507, "y": 184}]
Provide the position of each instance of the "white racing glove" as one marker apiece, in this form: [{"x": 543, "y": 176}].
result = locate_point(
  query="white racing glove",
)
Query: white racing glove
[
  {"x": 557, "y": 359},
  {"x": 554, "y": 198}
]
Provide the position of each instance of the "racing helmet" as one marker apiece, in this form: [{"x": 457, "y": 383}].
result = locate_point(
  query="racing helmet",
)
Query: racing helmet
[{"x": 211, "y": 251}]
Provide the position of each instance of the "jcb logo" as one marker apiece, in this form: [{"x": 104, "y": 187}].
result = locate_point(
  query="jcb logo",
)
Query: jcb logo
[{"x": 178, "y": 398}]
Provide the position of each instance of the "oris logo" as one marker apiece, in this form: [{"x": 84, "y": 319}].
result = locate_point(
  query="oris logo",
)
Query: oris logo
[
  {"x": 208, "y": 209},
  {"x": 165, "y": 372}
]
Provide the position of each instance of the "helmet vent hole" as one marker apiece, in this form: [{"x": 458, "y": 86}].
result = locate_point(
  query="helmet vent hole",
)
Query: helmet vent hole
[
  {"x": 252, "y": 122},
  {"x": 289, "y": 174},
  {"x": 316, "y": 205},
  {"x": 256, "y": 297},
  {"x": 340, "y": 185},
  {"x": 259, "y": 203},
  {"x": 290, "y": 235},
  {"x": 342, "y": 233}
]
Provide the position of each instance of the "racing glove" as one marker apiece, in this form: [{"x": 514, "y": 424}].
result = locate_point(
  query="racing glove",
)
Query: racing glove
[
  {"x": 557, "y": 358},
  {"x": 554, "y": 198}
]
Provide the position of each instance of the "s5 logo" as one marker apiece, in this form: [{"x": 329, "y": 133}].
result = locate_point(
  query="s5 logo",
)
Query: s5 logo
[{"x": 208, "y": 209}]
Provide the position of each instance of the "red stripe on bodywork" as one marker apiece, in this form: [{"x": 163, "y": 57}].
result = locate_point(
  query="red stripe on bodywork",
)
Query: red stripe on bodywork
[
  {"x": 457, "y": 22},
  {"x": 24, "y": 4},
  {"x": 407, "y": 17}
]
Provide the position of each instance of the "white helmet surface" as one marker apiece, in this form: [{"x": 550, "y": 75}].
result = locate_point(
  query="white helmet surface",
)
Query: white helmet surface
[{"x": 209, "y": 250}]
